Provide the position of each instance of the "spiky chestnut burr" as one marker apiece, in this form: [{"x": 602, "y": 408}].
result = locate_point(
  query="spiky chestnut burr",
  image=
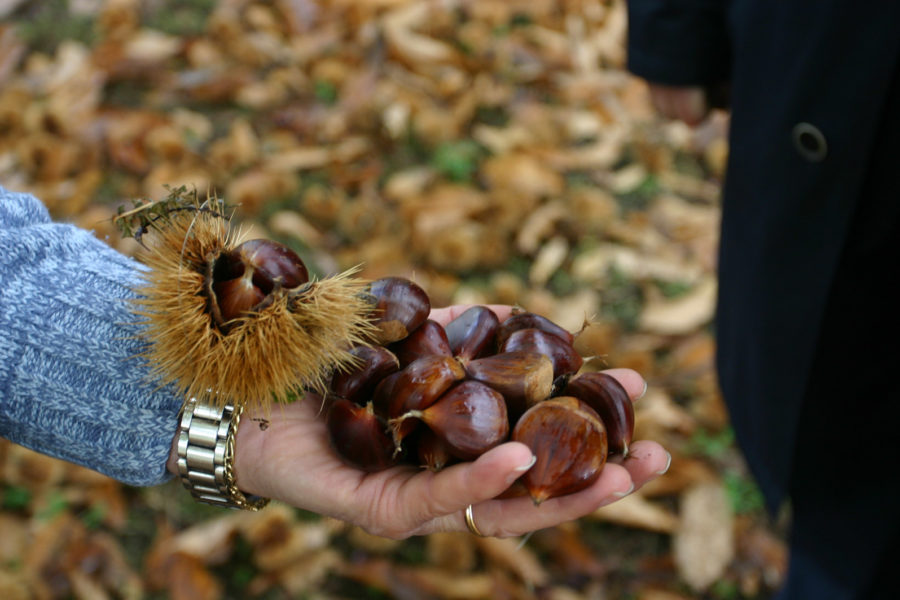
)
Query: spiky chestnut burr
[{"x": 240, "y": 319}]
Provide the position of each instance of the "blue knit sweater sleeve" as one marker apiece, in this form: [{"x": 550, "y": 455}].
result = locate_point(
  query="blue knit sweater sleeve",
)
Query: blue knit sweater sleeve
[{"x": 70, "y": 383}]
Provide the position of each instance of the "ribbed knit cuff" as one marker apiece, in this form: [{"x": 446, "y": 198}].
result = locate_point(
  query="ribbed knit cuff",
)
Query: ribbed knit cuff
[{"x": 71, "y": 382}]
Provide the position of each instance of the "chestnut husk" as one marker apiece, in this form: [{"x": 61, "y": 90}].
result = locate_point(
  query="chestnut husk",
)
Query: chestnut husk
[{"x": 289, "y": 342}]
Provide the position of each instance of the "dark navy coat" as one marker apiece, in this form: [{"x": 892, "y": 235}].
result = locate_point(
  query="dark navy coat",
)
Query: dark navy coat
[{"x": 808, "y": 320}]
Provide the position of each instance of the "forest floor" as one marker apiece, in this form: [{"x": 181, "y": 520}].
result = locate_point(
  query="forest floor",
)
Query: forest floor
[{"x": 495, "y": 151}]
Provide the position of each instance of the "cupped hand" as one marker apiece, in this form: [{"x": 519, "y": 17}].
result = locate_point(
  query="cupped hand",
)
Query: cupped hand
[
  {"x": 686, "y": 103},
  {"x": 291, "y": 460}
]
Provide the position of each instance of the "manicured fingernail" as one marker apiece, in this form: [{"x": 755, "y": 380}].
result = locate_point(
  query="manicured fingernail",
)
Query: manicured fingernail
[
  {"x": 517, "y": 472},
  {"x": 626, "y": 492},
  {"x": 643, "y": 392},
  {"x": 526, "y": 466},
  {"x": 668, "y": 464}
]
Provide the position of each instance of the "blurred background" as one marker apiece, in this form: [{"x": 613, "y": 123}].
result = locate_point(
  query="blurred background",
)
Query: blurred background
[{"x": 491, "y": 150}]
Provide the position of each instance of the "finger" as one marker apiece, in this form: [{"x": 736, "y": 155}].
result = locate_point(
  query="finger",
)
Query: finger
[
  {"x": 454, "y": 488},
  {"x": 631, "y": 380},
  {"x": 689, "y": 105},
  {"x": 646, "y": 460},
  {"x": 661, "y": 98},
  {"x": 517, "y": 516},
  {"x": 686, "y": 103},
  {"x": 448, "y": 313}
]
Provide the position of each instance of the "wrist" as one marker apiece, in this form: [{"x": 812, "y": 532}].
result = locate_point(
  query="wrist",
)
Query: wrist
[
  {"x": 206, "y": 455},
  {"x": 249, "y": 447}
]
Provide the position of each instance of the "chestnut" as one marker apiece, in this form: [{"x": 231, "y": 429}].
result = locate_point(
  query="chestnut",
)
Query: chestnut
[
  {"x": 609, "y": 399},
  {"x": 563, "y": 355},
  {"x": 244, "y": 277},
  {"x": 416, "y": 387},
  {"x": 356, "y": 384},
  {"x": 429, "y": 339},
  {"x": 400, "y": 307},
  {"x": 359, "y": 436},
  {"x": 470, "y": 418},
  {"x": 569, "y": 443},
  {"x": 471, "y": 334},
  {"x": 529, "y": 320},
  {"x": 524, "y": 378}
]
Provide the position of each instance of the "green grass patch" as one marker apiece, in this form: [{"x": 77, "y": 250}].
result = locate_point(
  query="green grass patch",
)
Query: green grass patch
[
  {"x": 622, "y": 299},
  {"x": 458, "y": 160},
  {"x": 44, "y": 25},
  {"x": 711, "y": 444},
  {"x": 16, "y": 497}
]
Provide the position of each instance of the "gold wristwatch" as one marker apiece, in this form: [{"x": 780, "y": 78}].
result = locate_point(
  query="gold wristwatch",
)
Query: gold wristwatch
[{"x": 206, "y": 455}]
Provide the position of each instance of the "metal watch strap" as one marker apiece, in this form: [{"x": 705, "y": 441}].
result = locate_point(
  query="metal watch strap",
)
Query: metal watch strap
[{"x": 206, "y": 455}]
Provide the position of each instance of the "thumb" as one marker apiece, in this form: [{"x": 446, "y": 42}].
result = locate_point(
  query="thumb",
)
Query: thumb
[{"x": 460, "y": 485}]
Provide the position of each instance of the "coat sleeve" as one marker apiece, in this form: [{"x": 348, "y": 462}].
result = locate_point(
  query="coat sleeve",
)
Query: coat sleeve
[
  {"x": 679, "y": 42},
  {"x": 70, "y": 383}
]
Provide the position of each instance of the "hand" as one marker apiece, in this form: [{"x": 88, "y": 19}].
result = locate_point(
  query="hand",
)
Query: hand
[
  {"x": 292, "y": 461},
  {"x": 686, "y": 103}
]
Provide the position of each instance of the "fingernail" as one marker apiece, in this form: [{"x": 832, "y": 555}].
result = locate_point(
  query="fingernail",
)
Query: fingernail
[
  {"x": 526, "y": 466},
  {"x": 521, "y": 469},
  {"x": 626, "y": 492},
  {"x": 668, "y": 464},
  {"x": 643, "y": 392}
]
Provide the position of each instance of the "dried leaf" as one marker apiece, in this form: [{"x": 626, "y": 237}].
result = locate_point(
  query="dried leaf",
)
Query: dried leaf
[
  {"x": 683, "y": 314},
  {"x": 510, "y": 554},
  {"x": 452, "y": 551},
  {"x": 548, "y": 260},
  {"x": 637, "y": 511},
  {"x": 704, "y": 542}
]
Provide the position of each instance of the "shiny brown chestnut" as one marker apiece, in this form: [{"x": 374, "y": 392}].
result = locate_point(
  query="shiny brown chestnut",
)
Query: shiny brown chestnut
[
  {"x": 523, "y": 378},
  {"x": 433, "y": 452},
  {"x": 416, "y": 387},
  {"x": 359, "y": 436},
  {"x": 569, "y": 443},
  {"x": 609, "y": 399},
  {"x": 470, "y": 418},
  {"x": 243, "y": 278},
  {"x": 530, "y": 320},
  {"x": 563, "y": 355},
  {"x": 400, "y": 307},
  {"x": 373, "y": 363},
  {"x": 429, "y": 339},
  {"x": 471, "y": 334}
]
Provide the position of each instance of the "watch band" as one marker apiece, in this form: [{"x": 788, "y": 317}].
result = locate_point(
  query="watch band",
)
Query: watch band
[{"x": 206, "y": 455}]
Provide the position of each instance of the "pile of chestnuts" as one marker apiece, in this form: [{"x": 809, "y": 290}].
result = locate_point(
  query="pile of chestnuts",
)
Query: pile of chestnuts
[
  {"x": 430, "y": 395},
  {"x": 424, "y": 394}
]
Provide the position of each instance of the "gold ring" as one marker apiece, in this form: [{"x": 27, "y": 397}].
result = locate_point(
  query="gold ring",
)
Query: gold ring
[{"x": 470, "y": 522}]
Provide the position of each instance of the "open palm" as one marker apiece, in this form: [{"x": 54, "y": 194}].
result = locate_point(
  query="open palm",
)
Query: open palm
[{"x": 290, "y": 459}]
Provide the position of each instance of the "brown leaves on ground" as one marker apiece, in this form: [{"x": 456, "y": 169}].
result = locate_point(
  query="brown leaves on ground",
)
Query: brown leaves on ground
[{"x": 493, "y": 150}]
